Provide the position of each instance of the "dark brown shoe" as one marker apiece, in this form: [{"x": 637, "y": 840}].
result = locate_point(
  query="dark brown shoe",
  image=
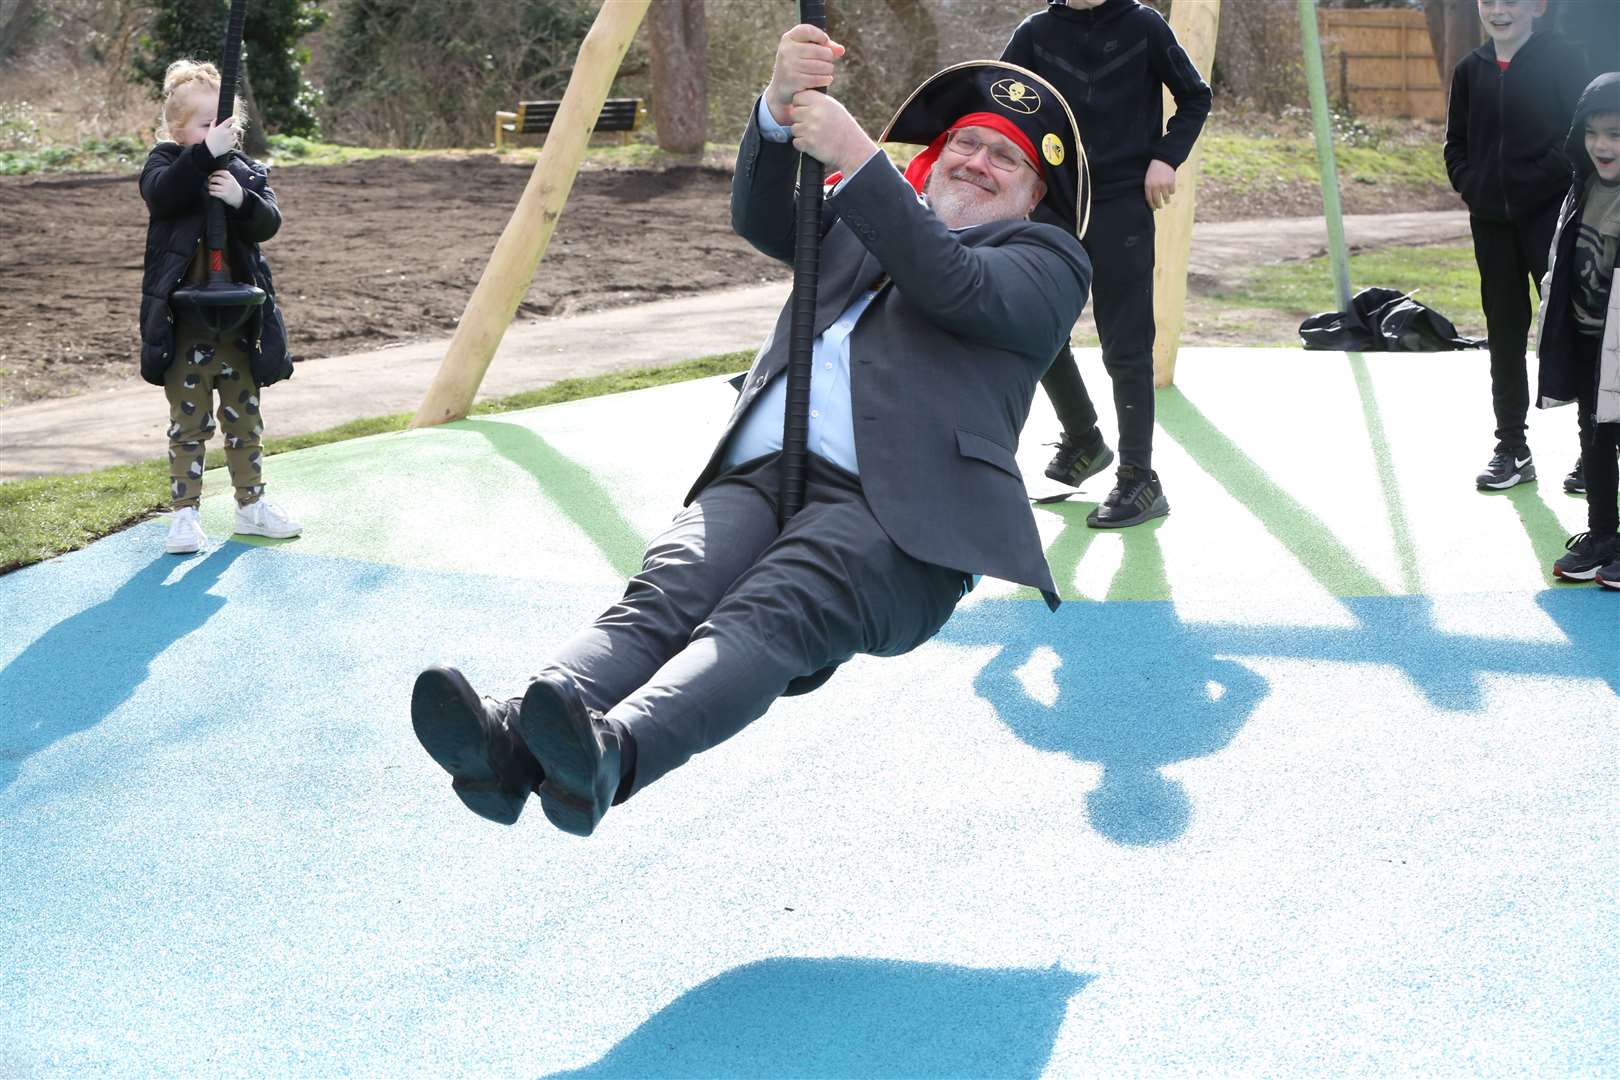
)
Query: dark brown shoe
[
  {"x": 578, "y": 753},
  {"x": 472, "y": 739}
]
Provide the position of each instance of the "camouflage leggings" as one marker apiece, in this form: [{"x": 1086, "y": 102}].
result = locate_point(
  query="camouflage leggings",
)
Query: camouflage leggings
[{"x": 201, "y": 366}]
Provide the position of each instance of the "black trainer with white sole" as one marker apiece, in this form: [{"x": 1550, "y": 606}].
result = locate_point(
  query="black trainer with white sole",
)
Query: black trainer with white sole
[
  {"x": 1609, "y": 576},
  {"x": 1507, "y": 468},
  {"x": 1587, "y": 554},
  {"x": 1575, "y": 482}
]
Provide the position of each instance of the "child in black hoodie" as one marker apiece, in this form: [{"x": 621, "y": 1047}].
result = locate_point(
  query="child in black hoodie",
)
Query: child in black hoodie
[
  {"x": 1111, "y": 60},
  {"x": 1579, "y": 344},
  {"x": 1511, "y": 100}
]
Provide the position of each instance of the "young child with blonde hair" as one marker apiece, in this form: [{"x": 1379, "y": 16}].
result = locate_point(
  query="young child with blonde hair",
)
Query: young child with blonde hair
[{"x": 197, "y": 159}]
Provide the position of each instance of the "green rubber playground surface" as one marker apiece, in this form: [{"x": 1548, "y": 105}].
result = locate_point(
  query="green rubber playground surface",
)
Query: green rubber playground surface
[{"x": 1315, "y": 776}]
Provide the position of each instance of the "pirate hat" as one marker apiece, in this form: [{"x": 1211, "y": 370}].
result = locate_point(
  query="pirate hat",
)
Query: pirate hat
[{"x": 1020, "y": 96}]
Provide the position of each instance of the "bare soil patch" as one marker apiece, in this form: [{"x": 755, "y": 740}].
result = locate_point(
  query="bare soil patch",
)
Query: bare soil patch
[
  {"x": 389, "y": 251},
  {"x": 368, "y": 254}
]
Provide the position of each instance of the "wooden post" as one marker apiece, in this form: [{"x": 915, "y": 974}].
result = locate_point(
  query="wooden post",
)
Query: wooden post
[
  {"x": 1194, "y": 23},
  {"x": 1406, "y": 89},
  {"x": 522, "y": 244}
]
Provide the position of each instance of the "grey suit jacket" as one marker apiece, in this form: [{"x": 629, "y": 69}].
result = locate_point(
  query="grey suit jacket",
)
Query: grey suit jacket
[{"x": 943, "y": 364}]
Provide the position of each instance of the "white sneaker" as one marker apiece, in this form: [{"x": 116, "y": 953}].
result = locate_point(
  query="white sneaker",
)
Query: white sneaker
[
  {"x": 185, "y": 533},
  {"x": 265, "y": 518}
]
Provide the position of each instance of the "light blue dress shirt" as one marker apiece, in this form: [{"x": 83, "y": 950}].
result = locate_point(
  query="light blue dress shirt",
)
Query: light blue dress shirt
[{"x": 832, "y": 423}]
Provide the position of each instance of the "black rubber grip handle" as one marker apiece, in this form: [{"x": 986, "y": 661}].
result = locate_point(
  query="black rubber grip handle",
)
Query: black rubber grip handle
[{"x": 801, "y": 327}]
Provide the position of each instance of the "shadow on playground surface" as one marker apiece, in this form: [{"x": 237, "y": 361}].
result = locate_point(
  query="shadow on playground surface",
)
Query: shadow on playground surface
[{"x": 1315, "y": 775}]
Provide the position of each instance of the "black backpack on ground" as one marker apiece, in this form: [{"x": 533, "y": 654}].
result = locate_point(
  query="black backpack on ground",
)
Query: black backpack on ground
[{"x": 1384, "y": 320}]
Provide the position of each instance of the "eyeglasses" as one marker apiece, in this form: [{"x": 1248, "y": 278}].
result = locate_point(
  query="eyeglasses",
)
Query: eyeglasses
[{"x": 963, "y": 141}]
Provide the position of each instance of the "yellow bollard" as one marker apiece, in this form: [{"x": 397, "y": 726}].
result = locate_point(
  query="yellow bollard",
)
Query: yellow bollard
[
  {"x": 522, "y": 244},
  {"x": 1195, "y": 23}
]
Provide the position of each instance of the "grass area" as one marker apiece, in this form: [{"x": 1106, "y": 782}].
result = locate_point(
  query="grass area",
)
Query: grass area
[
  {"x": 127, "y": 154},
  {"x": 288, "y": 150},
  {"x": 123, "y": 154},
  {"x": 1248, "y": 156},
  {"x": 1245, "y": 154},
  {"x": 47, "y": 516},
  {"x": 1442, "y": 276}
]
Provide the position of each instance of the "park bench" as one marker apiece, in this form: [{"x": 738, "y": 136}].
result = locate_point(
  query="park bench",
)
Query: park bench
[{"x": 536, "y": 117}]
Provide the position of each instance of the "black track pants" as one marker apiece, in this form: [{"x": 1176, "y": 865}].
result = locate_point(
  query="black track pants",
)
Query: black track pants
[
  {"x": 1120, "y": 243},
  {"x": 1507, "y": 254},
  {"x": 1600, "y": 443}
]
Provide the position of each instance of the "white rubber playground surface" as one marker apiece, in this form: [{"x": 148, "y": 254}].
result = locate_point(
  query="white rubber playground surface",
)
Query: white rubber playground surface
[{"x": 1315, "y": 777}]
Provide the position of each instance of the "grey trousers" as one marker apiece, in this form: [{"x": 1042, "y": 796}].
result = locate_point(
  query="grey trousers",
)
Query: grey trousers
[{"x": 729, "y": 608}]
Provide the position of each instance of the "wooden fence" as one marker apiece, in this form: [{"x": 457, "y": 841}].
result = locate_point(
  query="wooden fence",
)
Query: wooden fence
[{"x": 1380, "y": 62}]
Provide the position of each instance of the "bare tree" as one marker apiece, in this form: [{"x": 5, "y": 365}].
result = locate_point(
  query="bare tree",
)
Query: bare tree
[
  {"x": 921, "y": 35},
  {"x": 16, "y": 17},
  {"x": 1453, "y": 30},
  {"x": 680, "y": 98},
  {"x": 893, "y": 45}
]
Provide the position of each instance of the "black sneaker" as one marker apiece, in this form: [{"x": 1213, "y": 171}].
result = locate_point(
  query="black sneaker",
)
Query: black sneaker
[
  {"x": 1078, "y": 460},
  {"x": 1137, "y": 497},
  {"x": 1575, "y": 482},
  {"x": 1506, "y": 469},
  {"x": 1609, "y": 576},
  {"x": 1587, "y": 554}
]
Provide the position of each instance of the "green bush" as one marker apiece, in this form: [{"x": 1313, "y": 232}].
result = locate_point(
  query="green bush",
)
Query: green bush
[
  {"x": 273, "y": 57},
  {"x": 292, "y": 146}
]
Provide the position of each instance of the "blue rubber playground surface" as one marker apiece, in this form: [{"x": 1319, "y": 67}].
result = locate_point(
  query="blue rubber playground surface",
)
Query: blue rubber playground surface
[{"x": 1316, "y": 776}]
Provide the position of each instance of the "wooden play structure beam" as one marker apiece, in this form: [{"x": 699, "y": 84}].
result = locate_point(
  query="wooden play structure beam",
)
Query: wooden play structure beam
[
  {"x": 1194, "y": 23},
  {"x": 523, "y": 243}
]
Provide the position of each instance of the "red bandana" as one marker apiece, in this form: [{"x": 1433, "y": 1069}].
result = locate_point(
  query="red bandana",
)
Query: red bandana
[{"x": 921, "y": 165}]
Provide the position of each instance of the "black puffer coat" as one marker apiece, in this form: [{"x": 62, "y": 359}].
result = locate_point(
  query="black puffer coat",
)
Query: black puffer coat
[{"x": 174, "y": 184}]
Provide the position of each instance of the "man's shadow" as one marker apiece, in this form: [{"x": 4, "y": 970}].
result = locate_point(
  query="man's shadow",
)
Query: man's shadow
[
  {"x": 1135, "y": 690},
  {"x": 74, "y": 675},
  {"x": 842, "y": 1017}
]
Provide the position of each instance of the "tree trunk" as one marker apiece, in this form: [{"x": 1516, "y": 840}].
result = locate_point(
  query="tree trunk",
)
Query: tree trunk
[
  {"x": 1463, "y": 35},
  {"x": 1454, "y": 31},
  {"x": 255, "y": 140},
  {"x": 680, "y": 96},
  {"x": 1434, "y": 14},
  {"x": 922, "y": 39},
  {"x": 15, "y": 20}
]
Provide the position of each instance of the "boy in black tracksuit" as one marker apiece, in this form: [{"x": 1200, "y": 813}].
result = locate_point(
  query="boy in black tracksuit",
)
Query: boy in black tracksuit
[
  {"x": 1510, "y": 107},
  {"x": 1111, "y": 60}
]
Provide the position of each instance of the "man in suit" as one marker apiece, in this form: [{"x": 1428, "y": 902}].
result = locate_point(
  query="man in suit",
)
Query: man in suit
[{"x": 940, "y": 306}]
